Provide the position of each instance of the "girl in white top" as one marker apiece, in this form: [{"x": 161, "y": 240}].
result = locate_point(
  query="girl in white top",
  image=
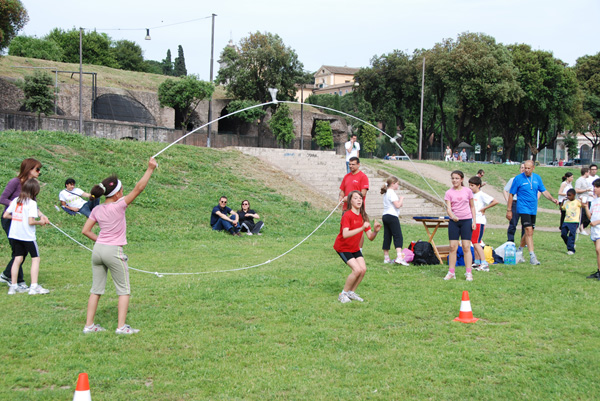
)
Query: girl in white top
[
  {"x": 23, "y": 211},
  {"x": 391, "y": 223}
]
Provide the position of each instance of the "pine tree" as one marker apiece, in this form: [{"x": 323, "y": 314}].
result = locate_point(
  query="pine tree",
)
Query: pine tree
[
  {"x": 167, "y": 64},
  {"x": 179, "y": 69}
]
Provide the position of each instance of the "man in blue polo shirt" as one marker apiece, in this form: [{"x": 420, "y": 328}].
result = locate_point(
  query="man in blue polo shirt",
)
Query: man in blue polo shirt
[
  {"x": 526, "y": 186},
  {"x": 223, "y": 218}
]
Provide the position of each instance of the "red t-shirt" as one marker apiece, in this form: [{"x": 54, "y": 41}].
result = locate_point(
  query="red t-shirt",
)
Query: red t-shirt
[
  {"x": 350, "y": 244},
  {"x": 354, "y": 182}
]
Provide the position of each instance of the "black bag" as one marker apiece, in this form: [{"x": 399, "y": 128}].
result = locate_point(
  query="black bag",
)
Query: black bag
[{"x": 424, "y": 254}]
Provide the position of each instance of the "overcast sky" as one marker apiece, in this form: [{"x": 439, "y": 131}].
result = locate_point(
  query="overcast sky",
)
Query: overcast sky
[{"x": 325, "y": 32}]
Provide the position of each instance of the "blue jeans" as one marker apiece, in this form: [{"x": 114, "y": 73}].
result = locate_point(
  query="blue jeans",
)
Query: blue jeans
[
  {"x": 347, "y": 167},
  {"x": 567, "y": 232},
  {"x": 222, "y": 224}
]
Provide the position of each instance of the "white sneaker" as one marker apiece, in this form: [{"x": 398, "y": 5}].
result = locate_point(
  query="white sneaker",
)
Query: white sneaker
[
  {"x": 38, "y": 289},
  {"x": 450, "y": 276},
  {"x": 12, "y": 289},
  {"x": 483, "y": 268},
  {"x": 389, "y": 260},
  {"x": 127, "y": 329},
  {"x": 93, "y": 328},
  {"x": 399, "y": 261},
  {"x": 570, "y": 253},
  {"x": 469, "y": 276},
  {"x": 583, "y": 232},
  {"x": 354, "y": 296},
  {"x": 343, "y": 298}
]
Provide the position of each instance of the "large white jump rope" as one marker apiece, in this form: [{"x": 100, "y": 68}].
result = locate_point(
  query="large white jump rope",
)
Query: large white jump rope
[{"x": 274, "y": 101}]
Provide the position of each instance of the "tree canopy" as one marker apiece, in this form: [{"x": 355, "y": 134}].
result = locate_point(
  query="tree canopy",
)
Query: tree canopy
[
  {"x": 262, "y": 62},
  {"x": 13, "y": 17},
  {"x": 184, "y": 95}
]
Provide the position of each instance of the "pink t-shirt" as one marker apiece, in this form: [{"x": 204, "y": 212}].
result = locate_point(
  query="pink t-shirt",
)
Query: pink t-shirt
[
  {"x": 459, "y": 202},
  {"x": 111, "y": 219}
]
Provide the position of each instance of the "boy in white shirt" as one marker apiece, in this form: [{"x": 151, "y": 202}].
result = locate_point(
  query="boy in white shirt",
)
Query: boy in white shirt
[
  {"x": 72, "y": 202},
  {"x": 482, "y": 202}
]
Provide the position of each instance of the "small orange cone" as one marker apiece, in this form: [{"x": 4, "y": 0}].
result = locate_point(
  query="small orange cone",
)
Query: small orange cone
[
  {"x": 465, "y": 315},
  {"x": 82, "y": 391}
]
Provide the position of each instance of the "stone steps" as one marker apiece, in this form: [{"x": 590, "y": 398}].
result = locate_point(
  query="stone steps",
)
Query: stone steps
[{"x": 324, "y": 170}]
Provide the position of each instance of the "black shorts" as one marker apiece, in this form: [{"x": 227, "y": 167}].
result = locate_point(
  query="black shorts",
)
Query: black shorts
[
  {"x": 460, "y": 228},
  {"x": 527, "y": 220},
  {"x": 22, "y": 248},
  {"x": 346, "y": 256}
]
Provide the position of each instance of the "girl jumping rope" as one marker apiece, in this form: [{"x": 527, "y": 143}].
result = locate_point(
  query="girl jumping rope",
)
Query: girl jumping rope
[
  {"x": 23, "y": 211},
  {"x": 461, "y": 209},
  {"x": 391, "y": 223},
  {"x": 347, "y": 244},
  {"x": 108, "y": 250}
]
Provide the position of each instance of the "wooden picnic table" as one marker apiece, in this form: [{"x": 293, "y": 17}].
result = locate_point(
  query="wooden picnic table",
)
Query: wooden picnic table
[{"x": 435, "y": 223}]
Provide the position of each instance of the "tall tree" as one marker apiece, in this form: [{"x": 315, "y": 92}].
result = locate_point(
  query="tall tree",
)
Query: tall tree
[
  {"x": 29, "y": 46},
  {"x": 587, "y": 69},
  {"x": 96, "y": 47},
  {"x": 13, "y": 17},
  {"x": 262, "y": 62},
  {"x": 184, "y": 95},
  {"x": 179, "y": 69},
  {"x": 129, "y": 55},
  {"x": 167, "y": 68}
]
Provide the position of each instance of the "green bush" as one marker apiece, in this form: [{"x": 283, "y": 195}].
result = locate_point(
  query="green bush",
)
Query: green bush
[{"x": 324, "y": 135}]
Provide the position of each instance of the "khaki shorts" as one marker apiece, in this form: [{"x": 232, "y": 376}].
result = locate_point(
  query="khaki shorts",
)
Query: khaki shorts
[{"x": 109, "y": 257}]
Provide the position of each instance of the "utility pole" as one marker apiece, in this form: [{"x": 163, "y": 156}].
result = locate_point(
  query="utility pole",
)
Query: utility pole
[
  {"x": 421, "y": 124},
  {"x": 80, "y": 80},
  {"x": 212, "y": 52}
]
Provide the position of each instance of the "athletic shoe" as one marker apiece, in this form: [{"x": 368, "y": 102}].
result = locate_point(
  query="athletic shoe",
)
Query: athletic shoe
[
  {"x": 126, "y": 330},
  {"x": 354, "y": 296},
  {"x": 38, "y": 289},
  {"x": 249, "y": 233},
  {"x": 583, "y": 232},
  {"x": 12, "y": 289},
  {"x": 343, "y": 298},
  {"x": 469, "y": 276},
  {"x": 570, "y": 253},
  {"x": 389, "y": 260},
  {"x": 22, "y": 287},
  {"x": 93, "y": 328},
  {"x": 450, "y": 276},
  {"x": 4, "y": 279},
  {"x": 533, "y": 260},
  {"x": 475, "y": 265},
  {"x": 483, "y": 268},
  {"x": 594, "y": 275},
  {"x": 400, "y": 262}
]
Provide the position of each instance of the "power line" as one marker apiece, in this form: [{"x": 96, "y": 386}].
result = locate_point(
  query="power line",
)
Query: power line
[{"x": 154, "y": 27}]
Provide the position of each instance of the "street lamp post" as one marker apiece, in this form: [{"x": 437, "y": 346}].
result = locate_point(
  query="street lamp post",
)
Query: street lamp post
[
  {"x": 80, "y": 80},
  {"x": 212, "y": 51}
]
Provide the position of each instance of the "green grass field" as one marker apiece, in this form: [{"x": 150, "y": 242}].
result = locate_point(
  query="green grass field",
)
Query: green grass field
[{"x": 277, "y": 331}]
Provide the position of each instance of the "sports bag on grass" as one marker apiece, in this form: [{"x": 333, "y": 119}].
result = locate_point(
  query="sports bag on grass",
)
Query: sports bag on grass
[{"x": 424, "y": 254}]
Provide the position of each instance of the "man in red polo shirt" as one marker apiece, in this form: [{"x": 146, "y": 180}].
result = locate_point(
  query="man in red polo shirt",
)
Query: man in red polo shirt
[{"x": 355, "y": 180}]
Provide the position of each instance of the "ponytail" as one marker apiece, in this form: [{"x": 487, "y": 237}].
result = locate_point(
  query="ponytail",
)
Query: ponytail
[
  {"x": 390, "y": 181},
  {"x": 105, "y": 187}
]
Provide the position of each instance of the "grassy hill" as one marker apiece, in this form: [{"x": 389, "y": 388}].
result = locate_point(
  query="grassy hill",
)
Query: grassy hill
[{"x": 277, "y": 331}]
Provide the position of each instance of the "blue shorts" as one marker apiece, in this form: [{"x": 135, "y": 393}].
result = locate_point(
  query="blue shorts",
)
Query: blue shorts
[
  {"x": 346, "y": 256},
  {"x": 460, "y": 228}
]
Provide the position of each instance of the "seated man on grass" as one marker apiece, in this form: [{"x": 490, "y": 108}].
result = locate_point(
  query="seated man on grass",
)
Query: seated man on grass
[
  {"x": 223, "y": 218},
  {"x": 72, "y": 202}
]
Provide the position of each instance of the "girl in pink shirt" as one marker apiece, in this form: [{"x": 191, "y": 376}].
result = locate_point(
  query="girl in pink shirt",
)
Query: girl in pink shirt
[
  {"x": 461, "y": 209},
  {"x": 108, "y": 250}
]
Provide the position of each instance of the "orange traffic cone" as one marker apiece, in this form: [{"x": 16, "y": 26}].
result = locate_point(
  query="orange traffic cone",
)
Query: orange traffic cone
[
  {"x": 465, "y": 315},
  {"x": 82, "y": 391}
]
